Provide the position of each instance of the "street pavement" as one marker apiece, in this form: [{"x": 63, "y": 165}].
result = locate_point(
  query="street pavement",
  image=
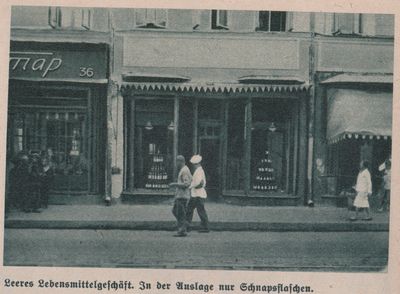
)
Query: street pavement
[
  {"x": 223, "y": 217},
  {"x": 297, "y": 251}
]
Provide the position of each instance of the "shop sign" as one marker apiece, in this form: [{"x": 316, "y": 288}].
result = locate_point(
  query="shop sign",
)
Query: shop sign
[{"x": 58, "y": 65}]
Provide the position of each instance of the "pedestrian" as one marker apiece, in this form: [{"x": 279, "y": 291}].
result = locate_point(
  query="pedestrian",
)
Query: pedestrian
[
  {"x": 19, "y": 175},
  {"x": 198, "y": 194},
  {"x": 364, "y": 190},
  {"x": 46, "y": 181},
  {"x": 34, "y": 184},
  {"x": 386, "y": 167},
  {"x": 182, "y": 195}
]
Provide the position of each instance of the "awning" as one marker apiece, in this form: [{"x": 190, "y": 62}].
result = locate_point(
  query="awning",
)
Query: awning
[
  {"x": 204, "y": 87},
  {"x": 256, "y": 79},
  {"x": 152, "y": 77},
  {"x": 358, "y": 114},
  {"x": 359, "y": 78}
]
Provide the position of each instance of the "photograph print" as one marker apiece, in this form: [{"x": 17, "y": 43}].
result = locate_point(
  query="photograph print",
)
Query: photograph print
[{"x": 199, "y": 139}]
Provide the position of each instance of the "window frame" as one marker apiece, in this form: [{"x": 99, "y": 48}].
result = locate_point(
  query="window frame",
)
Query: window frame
[
  {"x": 356, "y": 24},
  {"x": 84, "y": 19},
  {"x": 148, "y": 24},
  {"x": 257, "y": 21},
  {"x": 86, "y": 22},
  {"x": 54, "y": 17},
  {"x": 215, "y": 17}
]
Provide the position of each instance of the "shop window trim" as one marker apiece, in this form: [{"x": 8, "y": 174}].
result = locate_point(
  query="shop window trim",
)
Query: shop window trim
[
  {"x": 271, "y": 14},
  {"x": 150, "y": 22},
  {"x": 216, "y": 17}
]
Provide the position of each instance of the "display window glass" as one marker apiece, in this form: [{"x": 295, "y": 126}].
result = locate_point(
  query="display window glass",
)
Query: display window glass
[
  {"x": 271, "y": 146},
  {"x": 154, "y": 135},
  {"x": 60, "y": 137}
]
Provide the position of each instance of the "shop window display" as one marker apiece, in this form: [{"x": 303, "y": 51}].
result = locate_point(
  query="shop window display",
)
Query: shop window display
[
  {"x": 270, "y": 146},
  {"x": 58, "y": 136},
  {"x": 154, "y": 129}
]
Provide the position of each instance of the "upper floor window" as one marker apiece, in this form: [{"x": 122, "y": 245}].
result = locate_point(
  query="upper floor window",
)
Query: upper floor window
[
  {"x": 347, "y": 23},
  {"x": 219, "y": 19},
  {"x": 151, "y": 18},
  {"x": 271, "y": 21},
  {"x": 384, "y": 25},
  {"x": 70, "y": 17}
]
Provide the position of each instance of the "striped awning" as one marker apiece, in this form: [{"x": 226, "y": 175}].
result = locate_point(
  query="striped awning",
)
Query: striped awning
[
  {"x": 358, "y": 114},
  {"x": 213, "y": 87}
]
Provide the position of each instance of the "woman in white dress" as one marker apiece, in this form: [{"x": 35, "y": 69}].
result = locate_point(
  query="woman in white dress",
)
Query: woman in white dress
[{"x": 364, "y": 191}]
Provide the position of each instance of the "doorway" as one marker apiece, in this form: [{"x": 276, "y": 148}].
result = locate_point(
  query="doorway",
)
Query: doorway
[{"x": 210, "y": 150}]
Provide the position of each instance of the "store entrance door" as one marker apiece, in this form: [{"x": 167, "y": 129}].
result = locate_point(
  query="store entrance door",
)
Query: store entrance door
[{"x": 209, "y": 149}]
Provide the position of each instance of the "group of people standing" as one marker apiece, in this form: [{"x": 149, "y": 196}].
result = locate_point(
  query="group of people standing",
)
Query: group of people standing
[
  {"x": 30, "y": 180},
  {"x": 363, "y": 188},
  {"x": 190, "y": 194}
]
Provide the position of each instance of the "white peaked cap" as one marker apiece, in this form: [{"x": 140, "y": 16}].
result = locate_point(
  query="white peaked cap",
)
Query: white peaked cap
[{"x": 196, "y": 159}]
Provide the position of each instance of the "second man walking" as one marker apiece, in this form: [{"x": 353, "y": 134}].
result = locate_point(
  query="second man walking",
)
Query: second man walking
[{"x": 198, "y": 194}]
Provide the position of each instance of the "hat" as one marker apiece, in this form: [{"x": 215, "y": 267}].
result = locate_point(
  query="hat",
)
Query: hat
[{"x": 195, "y": 159}]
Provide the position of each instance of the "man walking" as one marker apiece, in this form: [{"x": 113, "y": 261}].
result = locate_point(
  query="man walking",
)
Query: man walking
[
  {"x": 182, "y": 195},
  {"x": 198, "y": 194}
]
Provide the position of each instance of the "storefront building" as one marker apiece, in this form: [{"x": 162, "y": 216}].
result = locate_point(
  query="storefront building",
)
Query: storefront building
[
  {"x": 354, "y": 113},
  {"x": 203, "y": 93},
  {"x": 57, "y": 104},
  {"x": 248, "y": 91},
  {"x": 117, "y": 94}
]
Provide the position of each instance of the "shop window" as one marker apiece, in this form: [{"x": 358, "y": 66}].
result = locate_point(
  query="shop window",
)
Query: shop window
[
  {"x": 70, "y": 17},
  {"x": 61, "y": 137},
  {"x": 219, "y": 19},
  {"x": 235, "y": 165},
  {"x": 270, "y": 146},
  {"x": 347, "y": 23},
  {"x": 154, "y": 129},
  {"x": 151, "y": 18},
  {"x": 272, "y": 21}
]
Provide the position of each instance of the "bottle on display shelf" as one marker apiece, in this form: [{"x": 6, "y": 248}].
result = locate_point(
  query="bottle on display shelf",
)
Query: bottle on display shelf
[
  {"x": 157, "y": 177},
  {"x": 264, "y": 179}
]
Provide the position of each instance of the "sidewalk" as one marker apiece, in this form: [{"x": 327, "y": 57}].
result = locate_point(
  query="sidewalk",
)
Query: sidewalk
[{"x": 223, "y": 217}]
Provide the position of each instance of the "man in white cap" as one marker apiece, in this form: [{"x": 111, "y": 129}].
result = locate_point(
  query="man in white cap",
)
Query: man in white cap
[
  {"x": 198, "y": 194},
  {"x": 182, "y": 195}
]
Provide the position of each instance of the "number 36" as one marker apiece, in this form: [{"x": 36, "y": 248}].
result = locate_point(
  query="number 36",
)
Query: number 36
[{"x": 86, "y": 72}]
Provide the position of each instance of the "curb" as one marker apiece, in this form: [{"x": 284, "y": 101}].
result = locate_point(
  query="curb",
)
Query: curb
[{"x": 216, "y": 226}]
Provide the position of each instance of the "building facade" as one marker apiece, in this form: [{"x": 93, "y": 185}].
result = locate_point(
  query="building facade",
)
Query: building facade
[
  {"x": 259, "y": 94},
  {"x": 58, "y": 89}
]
